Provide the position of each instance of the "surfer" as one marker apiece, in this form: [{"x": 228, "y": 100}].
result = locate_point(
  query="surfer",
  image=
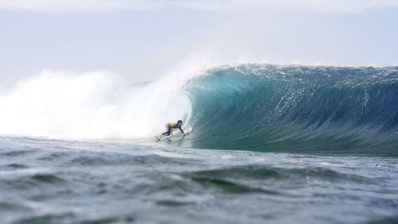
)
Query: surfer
[{"x": 170, "y": 127}]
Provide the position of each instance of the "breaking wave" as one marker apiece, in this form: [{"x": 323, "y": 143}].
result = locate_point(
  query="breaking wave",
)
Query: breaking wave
[{"x": 258, "y": 107}]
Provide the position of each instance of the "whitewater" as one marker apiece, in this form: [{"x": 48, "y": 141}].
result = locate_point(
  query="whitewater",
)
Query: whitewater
[{"x": 270, "y": 144}]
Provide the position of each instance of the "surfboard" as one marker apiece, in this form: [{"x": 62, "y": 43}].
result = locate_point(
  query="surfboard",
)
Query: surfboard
[{"x": 174, "y": 137}]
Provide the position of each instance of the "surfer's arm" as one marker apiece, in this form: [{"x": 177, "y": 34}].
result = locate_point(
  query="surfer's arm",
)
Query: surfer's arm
[
  {"x": 171, "y": 131},
  {"x": 182, "y": 130}
]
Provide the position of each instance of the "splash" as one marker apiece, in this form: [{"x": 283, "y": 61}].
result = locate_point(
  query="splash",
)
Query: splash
[{"x": 96, "y": 105}]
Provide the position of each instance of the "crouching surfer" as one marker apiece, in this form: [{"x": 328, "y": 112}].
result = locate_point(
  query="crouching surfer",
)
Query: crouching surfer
[{"x": 170, "y": 127}]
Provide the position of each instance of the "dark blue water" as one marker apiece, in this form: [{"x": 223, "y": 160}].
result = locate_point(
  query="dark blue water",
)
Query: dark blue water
[
  {"x": 270, "y": 144},
  {"x": 46, "y": 181}
]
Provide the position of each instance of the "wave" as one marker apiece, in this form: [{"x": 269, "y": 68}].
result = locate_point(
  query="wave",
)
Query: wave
[
  {"x": 259, "y": 107},
  {"x": 295, "y": 108}
]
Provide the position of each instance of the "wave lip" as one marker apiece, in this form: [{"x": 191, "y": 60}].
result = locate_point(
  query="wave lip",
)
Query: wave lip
[{"x": 295, "y": 108}]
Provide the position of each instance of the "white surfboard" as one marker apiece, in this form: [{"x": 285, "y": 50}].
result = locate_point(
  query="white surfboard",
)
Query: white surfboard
[{"x": 175, "y": 136}]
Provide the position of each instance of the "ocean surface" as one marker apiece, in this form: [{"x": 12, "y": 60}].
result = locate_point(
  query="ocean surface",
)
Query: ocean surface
[{"x": 270, "y": 144}]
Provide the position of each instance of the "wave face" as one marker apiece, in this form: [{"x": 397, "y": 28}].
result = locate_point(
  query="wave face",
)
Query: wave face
[{"x": 295, "y": 108}]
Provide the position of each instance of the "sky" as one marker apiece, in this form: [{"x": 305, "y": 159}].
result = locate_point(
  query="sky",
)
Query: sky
[{"x": 143, "y": 40}]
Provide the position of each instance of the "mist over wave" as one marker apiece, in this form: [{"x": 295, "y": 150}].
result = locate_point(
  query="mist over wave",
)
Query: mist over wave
[
  {"x": 249, "y": 106},
  {"x": 96, "y": 105}
]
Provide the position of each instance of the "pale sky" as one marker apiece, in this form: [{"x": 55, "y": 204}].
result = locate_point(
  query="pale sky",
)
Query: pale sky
[{"x": 142, "y": 40}]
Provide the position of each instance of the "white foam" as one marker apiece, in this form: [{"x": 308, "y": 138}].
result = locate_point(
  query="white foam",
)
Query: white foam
[{"x": 95, "y": 105}]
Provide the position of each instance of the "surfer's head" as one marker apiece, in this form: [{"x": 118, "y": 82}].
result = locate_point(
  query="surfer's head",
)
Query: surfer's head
[{"x": 179, "y": 122}]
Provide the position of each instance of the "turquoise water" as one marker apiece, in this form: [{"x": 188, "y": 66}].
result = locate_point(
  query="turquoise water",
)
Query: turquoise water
[{"x": 296, "y": 109}]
